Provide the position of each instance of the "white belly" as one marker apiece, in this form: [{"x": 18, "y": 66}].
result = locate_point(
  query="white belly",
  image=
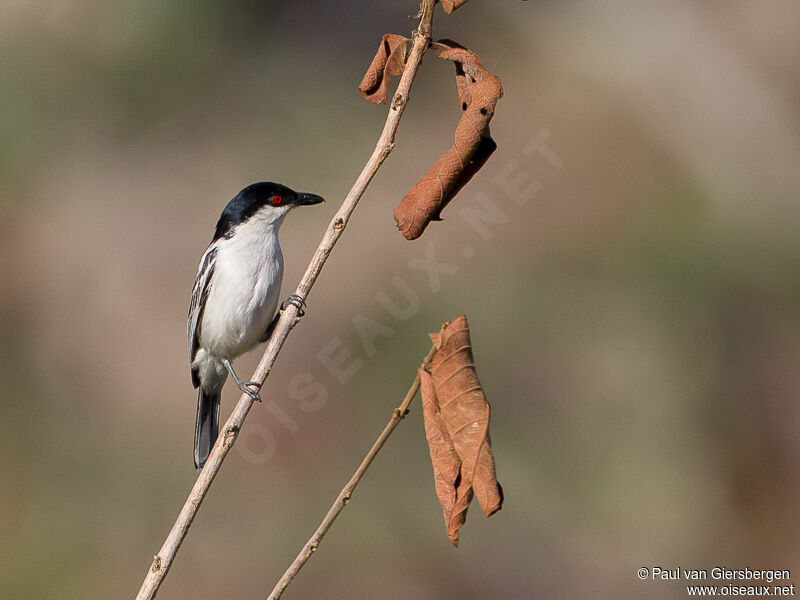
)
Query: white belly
[{"x": 246, "y": 288}]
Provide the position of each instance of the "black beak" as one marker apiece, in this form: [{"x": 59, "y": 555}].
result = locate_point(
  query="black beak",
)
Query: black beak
[{"x": 304, "y": 199}]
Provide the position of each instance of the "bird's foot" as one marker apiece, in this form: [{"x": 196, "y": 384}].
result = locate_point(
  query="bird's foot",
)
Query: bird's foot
[
  {"x": 298, "y": 303},
  {"x": 295, "y": 300},
  {"x": 244, "y": 386}
]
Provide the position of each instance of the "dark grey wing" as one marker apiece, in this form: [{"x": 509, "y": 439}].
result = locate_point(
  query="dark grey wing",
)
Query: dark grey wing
[{"x": 199, "y": 296}]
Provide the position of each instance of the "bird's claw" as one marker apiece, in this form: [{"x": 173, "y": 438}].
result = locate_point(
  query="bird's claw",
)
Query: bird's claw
[
  {"x": 245, "y": 387},
  {"x": 297, "y": 302}
]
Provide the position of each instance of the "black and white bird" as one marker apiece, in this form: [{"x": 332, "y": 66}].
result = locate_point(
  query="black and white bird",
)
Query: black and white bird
[{"x": 235, "y": 297}]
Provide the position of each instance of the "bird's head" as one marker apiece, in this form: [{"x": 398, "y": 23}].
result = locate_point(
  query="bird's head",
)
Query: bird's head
[{"x": 266, "y": 201}]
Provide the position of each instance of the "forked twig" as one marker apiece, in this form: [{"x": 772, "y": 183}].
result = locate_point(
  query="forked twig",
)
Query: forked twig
[
  {"x": 166, "y": 555},
  {"x": 347, "y": 491}
]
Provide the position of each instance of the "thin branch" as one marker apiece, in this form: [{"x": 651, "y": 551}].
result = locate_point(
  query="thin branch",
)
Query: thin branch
[
  {"x": 347, "y": 491},
  {"x": 230, "y": 431}
]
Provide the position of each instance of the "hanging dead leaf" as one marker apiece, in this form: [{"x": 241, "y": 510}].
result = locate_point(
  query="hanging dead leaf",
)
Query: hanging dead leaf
[
  {"x": 456, "y": 415},
  {"x": 450, "y": 5},
  {"x": 478, "y": 92},
  {"x": 446, "y": 463},
  {"x": 389, "y": 60}
]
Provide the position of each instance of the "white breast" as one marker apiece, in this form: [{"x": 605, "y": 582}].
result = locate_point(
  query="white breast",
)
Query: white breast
[{"x": 245, "y": 288}]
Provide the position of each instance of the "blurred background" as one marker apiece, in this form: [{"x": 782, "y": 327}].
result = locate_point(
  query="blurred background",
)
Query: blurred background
[{"x": 628, "y": 260}]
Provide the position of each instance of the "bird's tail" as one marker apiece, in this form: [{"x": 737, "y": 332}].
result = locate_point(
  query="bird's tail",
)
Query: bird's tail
[{"x": 206, "y": 426}]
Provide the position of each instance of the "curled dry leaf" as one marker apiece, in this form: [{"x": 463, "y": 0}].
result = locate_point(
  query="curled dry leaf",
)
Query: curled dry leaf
[
  {"x": 389, "y": 61},
  {"x": 450, "y": 5},
  {"x": 478, "y": 93},
  {"x": 446, "y": 463},
  {"x": 456, "y": 415}
]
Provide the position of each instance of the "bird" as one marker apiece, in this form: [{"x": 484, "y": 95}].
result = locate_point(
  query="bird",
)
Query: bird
[{"x": 235, "y": 297}]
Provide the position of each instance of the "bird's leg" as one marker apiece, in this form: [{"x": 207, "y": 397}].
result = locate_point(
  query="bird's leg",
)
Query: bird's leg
[
  {"x": 294, "y": 299},
  {"x": 243, "y": 385}
]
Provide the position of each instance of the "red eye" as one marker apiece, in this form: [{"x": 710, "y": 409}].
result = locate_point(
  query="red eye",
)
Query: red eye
[{"x": 277, "y": 199}]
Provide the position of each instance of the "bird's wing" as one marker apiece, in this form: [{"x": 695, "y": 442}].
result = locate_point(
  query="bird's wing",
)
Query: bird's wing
[{"x": 202, "y": 284}]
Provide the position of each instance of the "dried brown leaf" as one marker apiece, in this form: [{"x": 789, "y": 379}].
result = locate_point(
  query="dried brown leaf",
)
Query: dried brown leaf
[
  {"x": 465, "y": 412},
  {"x": 450, "y": 5},
  {"x": 478, "y": 92},
  {"x": 445, "y": 461},
  {"x": 389, "y": 60},
  {"x": 456, "y": 415}
]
